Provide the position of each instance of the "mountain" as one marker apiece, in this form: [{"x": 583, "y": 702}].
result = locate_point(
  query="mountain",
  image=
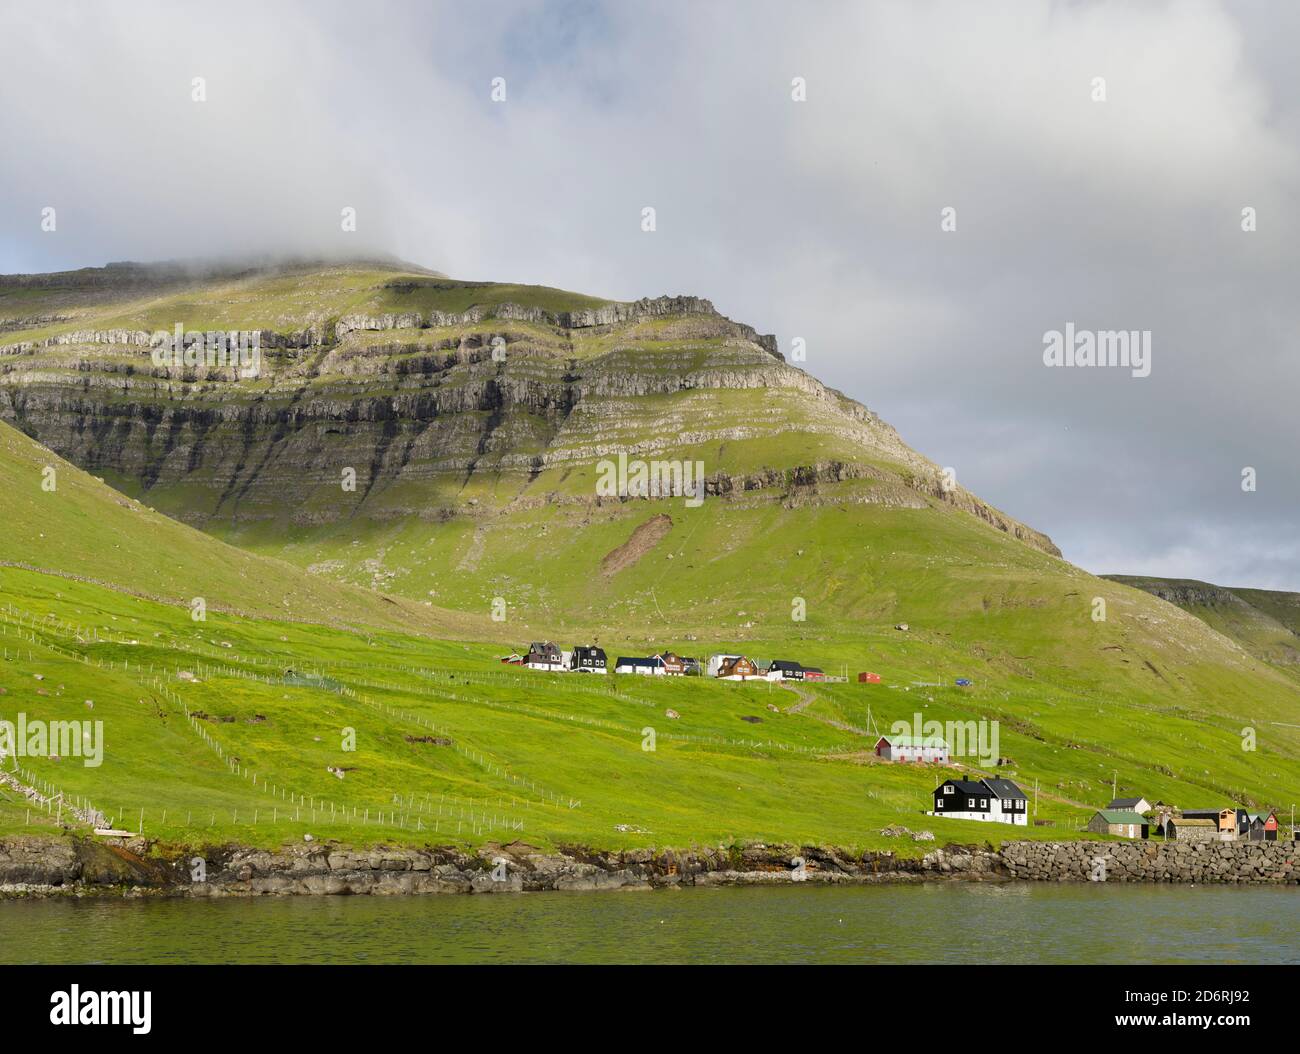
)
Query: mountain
[
  {"x": 427, "y": 456},
  {"x": 391, "y": 375},
  {"x": 1264, "y": 622}
]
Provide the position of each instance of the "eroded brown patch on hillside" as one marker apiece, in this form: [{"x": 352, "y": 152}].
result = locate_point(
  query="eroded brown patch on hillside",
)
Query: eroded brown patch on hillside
[{"x": 643, "y": 539}]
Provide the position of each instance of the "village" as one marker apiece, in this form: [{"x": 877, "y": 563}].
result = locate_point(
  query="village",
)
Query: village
[
  {"x": 988, "y": 799},
  {"x": 544, "y": 655},
  {"x": 997, "y": 800}
]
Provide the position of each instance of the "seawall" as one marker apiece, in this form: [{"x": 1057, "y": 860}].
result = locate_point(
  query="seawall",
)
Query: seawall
[{"x": 79, "y": 866}]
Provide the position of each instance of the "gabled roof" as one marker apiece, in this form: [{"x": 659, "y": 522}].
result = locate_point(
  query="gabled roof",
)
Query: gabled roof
[
  {"x": 1125, "y": 803},
  {"x": 1192, "y": 822},
  {"x": 1122, "y": 816},
  {"x": 784, "y": 664},
  {"x": 634, "y": 661},
  {"x": 964, "y": 787},
  {"x": 914, "y": 741},
  {"x": 1003, "y": 788}
]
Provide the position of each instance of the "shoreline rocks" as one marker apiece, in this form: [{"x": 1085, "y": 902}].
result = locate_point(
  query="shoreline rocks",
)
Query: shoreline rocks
[{"x": 79, "y": 866}]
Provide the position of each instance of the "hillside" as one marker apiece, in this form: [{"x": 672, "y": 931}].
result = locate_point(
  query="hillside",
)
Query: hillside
[
  {"x": 1264, "y": 622},
  {"x": 476, "y": 486}
]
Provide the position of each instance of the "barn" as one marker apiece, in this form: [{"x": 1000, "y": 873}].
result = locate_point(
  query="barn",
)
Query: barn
[{"x": 912, "y": 748}]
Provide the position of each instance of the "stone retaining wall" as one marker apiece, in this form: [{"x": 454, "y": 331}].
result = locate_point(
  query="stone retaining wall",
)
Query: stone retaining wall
[
  {"x": 33, "y": 866},
  {"x": 1154, "y": 861}
]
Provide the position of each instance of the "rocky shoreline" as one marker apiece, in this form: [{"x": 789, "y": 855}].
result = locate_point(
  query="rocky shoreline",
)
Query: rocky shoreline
[{"x": 36, "y": 867}]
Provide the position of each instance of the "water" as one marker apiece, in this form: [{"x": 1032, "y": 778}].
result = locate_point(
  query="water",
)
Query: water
[{"x": 951, "y": 922}]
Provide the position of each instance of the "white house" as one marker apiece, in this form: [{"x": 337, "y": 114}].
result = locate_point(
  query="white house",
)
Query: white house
[
  {"x": 993, "y": 800},
  {"x": 1137, "y": 805},
  {"x": 913, "y": 748}
]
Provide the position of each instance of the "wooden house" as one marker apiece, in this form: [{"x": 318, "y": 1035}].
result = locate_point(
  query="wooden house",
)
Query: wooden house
[
  {"x": 543, "y": 655},
  {"x": 1123, "y": 822},
  {"x": 912, "y": 748},
  {"x": 1137, "y": 805},
  {"x": 670, "y": 664},
  {"x": 1262, "y": 826},
  {"x": 867, "y": 677},
  {"x": 643, "y": 666},
  {"x": 992, "y": 800},
  {"x": 738, "y": 669},
  {"x": 716, "y": 661},
  {"x": 1231, "y": 823},
  {"x": 588, "y": 659},
  {"x": 813, "y": 673}
]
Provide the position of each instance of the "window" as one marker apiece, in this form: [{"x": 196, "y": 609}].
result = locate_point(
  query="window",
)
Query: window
[
  {"x": 970, "y": 803},
  {"x": 947, "y": 790},
  {"x": 984, "y": 803}
]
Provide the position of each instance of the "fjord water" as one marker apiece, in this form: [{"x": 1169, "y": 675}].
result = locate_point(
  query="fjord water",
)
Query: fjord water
[{"x": 934, "y": 923}]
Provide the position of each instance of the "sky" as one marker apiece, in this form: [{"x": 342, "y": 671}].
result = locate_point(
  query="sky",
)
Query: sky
[{"x": 1097, "y": 159}]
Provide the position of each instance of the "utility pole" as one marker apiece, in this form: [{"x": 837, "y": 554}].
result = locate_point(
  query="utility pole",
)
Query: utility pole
[
  {"x": 1113, "y": 777},
  {"x": 1035, "y": 797}
]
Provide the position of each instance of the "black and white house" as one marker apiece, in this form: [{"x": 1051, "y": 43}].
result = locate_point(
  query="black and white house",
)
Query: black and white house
[
  {"x": 588, "y": 659},
  {"x": 784, "y": 670},
  {"x": 993, "y": 800}
]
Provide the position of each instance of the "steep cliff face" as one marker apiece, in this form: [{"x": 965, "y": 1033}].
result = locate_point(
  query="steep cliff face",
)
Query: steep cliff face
[{"x": 421, "y": 394}]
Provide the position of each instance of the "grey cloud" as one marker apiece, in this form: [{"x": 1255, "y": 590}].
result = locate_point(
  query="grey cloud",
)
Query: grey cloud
[{"x": 816, "y": 219}]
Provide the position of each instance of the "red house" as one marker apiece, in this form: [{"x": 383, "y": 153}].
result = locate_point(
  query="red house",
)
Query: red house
[{"x": 868, "y": 678}]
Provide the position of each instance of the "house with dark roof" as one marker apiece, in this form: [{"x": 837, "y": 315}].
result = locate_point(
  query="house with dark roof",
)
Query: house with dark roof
[
  {"x": 1262, "y": 826},
  {"x": 632, "y": 664},
  {"x": 588, "y": 659},
  {"x": 1137, "y": 805},
  {"x": 784, "y": 670},
  {"x": 543, "y": 655},
  {"x": 738, "y": 669},
  {"x": 992, "y": 800},
  {"x": 1231, "y": 823}
]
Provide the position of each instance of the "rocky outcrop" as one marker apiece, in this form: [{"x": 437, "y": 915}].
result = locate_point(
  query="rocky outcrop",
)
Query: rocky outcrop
[{"x": 30, "y": 867}]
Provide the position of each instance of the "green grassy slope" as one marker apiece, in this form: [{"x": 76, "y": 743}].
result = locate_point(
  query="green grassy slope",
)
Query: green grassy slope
[
  {"x": 57, "y": 518},
  {"x": 543, "y": 758},
  {"x": 1266, "y": 623},
  {"x": 559, "y": 760}
]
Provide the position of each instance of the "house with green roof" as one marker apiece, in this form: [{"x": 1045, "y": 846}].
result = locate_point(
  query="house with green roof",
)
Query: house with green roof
[
  {"x": 1122, "y": 822},
  {"x": 913, "y": 748}
]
